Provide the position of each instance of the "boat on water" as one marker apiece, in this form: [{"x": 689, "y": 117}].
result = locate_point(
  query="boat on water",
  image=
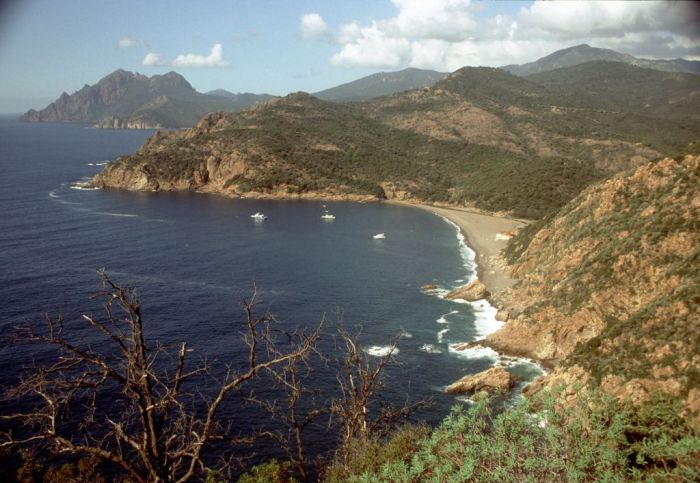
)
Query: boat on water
[
  {"x": 326, "y": 215},
  {"x": 379, "y": 236},
  {"x": 258, "y": 216}
]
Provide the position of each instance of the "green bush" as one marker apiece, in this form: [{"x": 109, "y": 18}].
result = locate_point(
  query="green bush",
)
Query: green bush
[{"x": 599, "y": 439}]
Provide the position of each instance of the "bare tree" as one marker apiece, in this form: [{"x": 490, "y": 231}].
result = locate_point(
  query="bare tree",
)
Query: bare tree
[
  {"x": 355, "y": 412},
  {"x": 360, "y": 381},
  {"x": 297, "y": 409},
  {"x": 163, "y": 428}
]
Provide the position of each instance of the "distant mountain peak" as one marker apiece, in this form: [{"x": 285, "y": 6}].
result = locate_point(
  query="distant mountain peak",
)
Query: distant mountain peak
[
  {"x": 381, "y": 84},
  {"x": 579, "y": 54},
  {"x": 129, "y": 99}
]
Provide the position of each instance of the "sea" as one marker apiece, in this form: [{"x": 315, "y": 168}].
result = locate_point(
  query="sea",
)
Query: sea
[{"x": 193, "y": 257}]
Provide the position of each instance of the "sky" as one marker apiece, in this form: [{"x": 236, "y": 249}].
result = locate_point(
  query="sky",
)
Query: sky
[{"x": 282, "y": 46}]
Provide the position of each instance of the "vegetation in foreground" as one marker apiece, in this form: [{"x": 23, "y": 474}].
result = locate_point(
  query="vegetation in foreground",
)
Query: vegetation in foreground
[{"x": 598, "y": 439}]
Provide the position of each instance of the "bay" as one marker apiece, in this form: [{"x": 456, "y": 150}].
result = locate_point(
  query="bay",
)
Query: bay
[{"x": 193, "y": 257}]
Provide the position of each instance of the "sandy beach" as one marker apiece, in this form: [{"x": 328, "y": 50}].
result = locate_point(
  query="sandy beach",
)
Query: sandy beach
[{"x": 480, "y": 232}]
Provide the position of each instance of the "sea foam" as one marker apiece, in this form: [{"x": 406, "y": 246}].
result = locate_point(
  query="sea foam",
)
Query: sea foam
[
  {"x": 443, "y": 317},
  {"x": 465, "y": 252},
  {"x": 430, "y": 349},
  {"x": 381, "y": 350},
  {"x": 485, "y": 322},
  {"x": 474, "y": 352}
]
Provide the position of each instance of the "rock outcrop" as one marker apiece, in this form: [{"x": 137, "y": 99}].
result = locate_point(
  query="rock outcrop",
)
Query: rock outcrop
[
  {"x": 475, "y": 290},
  {"x": 490, "y": 380}
]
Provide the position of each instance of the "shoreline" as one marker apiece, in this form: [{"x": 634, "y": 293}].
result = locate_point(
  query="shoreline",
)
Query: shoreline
[{"x": 479, "y": 230}]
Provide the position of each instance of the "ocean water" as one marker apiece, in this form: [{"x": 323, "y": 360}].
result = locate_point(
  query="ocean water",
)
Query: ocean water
[{"x": 192, "y": 257}]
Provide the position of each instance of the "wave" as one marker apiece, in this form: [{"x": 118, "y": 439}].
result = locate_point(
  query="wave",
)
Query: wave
[
  {"x": 430, "y": 349},
  {"x": 474, "y": 352},
  {"x": 381, "y": 350},
  {"x": 59, "y": 199},
  {"x": 443, "y": 319},
  {"x": 83, "y": 187},
  {"x": 405, "y": 335},
  {"x": 123, "y": 215},
  {"x": 441, "y": 334},
  {"x": 465, "y": 252},
  {"x": 485, "y": 322}
]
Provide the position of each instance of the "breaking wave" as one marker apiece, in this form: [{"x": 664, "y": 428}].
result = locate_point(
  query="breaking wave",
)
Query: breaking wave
[{"x": 381, "y": 350}]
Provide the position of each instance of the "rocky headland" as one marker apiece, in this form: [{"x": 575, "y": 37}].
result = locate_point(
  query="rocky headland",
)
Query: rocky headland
[
  {"x": 607, "y": 289},
  {"x": 129, "y": 100}
]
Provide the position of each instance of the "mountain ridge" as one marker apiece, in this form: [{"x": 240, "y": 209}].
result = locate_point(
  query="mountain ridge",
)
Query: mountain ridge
[
  {"x": 124, "y": 99},
  {"x": 480, "y": 137},
  {"x": 381, "y": 84},
  {"x": 582, "y": 53}
]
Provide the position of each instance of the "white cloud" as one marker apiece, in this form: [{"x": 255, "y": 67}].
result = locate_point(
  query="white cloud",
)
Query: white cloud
[
  {"x": 128, "y": 42},
  {"x": 572, "y": 19},
  {"x": 448, "y": 34},
  {"x": 373, "y": 48},
  {"x": 313, "y": 27},
  {"x": 152, "y": 58},
  {"x": 214, "y": 59}
]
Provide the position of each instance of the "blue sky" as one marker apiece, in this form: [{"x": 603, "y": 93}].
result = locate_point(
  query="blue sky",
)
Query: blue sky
[{"x": 282, "y": 46}]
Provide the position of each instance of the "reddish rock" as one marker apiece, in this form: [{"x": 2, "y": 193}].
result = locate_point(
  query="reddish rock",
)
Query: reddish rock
[
  {"x": 490, "y": 380},
  {"x": 470, "y": 292}
]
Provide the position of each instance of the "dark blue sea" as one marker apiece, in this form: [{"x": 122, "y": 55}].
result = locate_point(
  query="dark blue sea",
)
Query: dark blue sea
[{"x": 193, "y": 257}]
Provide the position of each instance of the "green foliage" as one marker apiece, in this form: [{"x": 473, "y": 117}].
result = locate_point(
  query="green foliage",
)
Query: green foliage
[
  {"x": 27, "y": 466},
  {"x": 599, "y": 439},
  {"x": 271, "y": 472},
  {"x": 369, "y": 457}
]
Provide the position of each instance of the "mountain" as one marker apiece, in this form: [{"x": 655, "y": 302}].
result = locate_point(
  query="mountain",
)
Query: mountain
[
  {"x": 628, "y": 87},
  {"x": 580, "y": 54},
  {"x": 131, "y": 100},
  {"x": 245, "y": 99},
  {"x": 609, "y": 286},
  {"x": 479, "y": 137},
  {"x": 381, "y": 84}
]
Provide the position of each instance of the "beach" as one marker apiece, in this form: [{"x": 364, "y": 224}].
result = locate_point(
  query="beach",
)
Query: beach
[{"x": 480, "y": 232}]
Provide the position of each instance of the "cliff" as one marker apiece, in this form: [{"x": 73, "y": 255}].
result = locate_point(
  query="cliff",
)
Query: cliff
[
  {"x": 127, "y": 100},
  {"x": 609, "y": 287}
]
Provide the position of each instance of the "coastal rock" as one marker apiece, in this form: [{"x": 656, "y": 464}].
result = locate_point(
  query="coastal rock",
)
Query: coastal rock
[
  {"x": 470, "y": 292},
  {"x": 502, "y": 315},
  {"x": 490, "y": 380}
]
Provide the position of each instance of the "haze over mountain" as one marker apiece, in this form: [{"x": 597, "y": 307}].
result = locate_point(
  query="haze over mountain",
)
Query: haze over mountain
[
  {"x": 381, "y": 84},
  {"x": 580, "y": 54},
  {"x": 125, "y": 99}
]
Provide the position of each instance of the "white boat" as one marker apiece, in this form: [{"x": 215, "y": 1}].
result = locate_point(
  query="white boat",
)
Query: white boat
[
  {"x": 379, "y": 236},
  {"x": 258, "y": 216},
  {"x": 326, "y": 215}
]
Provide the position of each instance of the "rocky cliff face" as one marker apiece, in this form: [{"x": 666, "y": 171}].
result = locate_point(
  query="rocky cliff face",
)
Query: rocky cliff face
[
  {"x": 609, "y": 288},
  {"x": 89, "y": 103}
]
